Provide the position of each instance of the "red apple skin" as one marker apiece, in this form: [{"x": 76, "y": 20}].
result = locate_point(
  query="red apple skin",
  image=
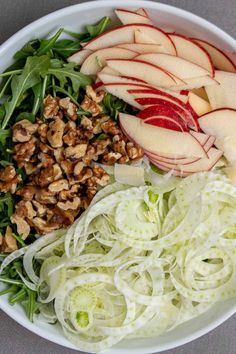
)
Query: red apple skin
[
  {"x": 132, "y": 24},
  {"x": 203, "y": 49},
  {"x": 185, "y": 113},
  {"x": 148, "y": 64},
  {"x": 161, "y": 110},
  {"x": 164, "y": 123},
  {"x": 181, "y": 170},
  {"x": 158, "y": 92},
  {"x": 146, "y": 14},
  {"x": 218, "y": 49},
  {"x": 132, "y": 12}
]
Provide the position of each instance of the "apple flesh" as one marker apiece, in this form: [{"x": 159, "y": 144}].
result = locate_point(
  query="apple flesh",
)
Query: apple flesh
[
  {"x": 219, "y": 58},
  {"x": 142, "y": 38},
  {"x": 199, "y": 105},
  {"x": 223, "y": 94},
  {"x": 126, "y": 17},
  {"x": 114, "y": 79},
  {"x": 97, "y": 60},
  {"x": 220, "y": 123},
  {"x": 154, "y": 106},
  {"x": 160, "y": 140},
  {"x": 80, "y": 56},
  {"x": 142, "y": 48},
  {"x": 169, "y": 95},
  {"x": 193, "y": 52},
  {"x": 125, "y": 34},
  {"x": 148, "y": 72},
  {"x": 142, "y": 12},
  {"x": 172, "y": 160},
  {"x": 179, "y": 67},
  {"x": 203, "y": 164}
]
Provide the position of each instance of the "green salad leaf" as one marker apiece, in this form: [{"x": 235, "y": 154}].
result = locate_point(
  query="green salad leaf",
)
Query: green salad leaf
[
  {"x": 70, "y": 71},
  {"x": 66, "y": 47},
  {"x": 35, "y": 68},
  {"x": 47, "y": 44},
  {"x": 99, "y": 28}
]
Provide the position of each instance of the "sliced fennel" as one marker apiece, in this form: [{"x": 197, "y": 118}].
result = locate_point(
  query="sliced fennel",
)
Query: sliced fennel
[{"x": 140, "y": 260}]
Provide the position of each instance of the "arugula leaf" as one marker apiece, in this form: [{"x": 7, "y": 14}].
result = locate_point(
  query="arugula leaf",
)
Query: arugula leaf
[
  {"x": 7, "y": 204},
  {"x": 79, "y": 36},
  {"x": 24, "y": 115},
  {"x": 47, "y": 44},
  {"x": 113, "y": 105},
  {"x": 100, "y": 27},
  {"x": 30, "y": 76},
  {"x": 28, "y": 49},
  {"x": 65, "y": 92},
  {"x": 68, "y": 71},
  {"x": 66, "y": 47},
  {"x": 4, "y": 134},
  {"x": 37, "y": 91}
]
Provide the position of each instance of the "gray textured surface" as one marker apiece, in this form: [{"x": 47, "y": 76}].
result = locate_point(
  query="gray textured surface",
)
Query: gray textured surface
[{"x": 15, "y": 14}]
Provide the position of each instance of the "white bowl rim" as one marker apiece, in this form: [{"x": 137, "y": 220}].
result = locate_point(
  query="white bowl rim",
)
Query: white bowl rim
[{"x": 9, "y": 310}]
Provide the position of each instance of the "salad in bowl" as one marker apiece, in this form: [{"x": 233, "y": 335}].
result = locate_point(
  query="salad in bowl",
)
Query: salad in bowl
[{"x": 118, "y": 180}]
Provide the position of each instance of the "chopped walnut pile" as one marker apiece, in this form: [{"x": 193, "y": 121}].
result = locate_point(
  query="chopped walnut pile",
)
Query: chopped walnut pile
[{"x": 61, "y": 159}]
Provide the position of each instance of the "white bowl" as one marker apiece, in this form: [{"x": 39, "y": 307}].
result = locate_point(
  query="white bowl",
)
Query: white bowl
[{"x": 74, "y": 17}]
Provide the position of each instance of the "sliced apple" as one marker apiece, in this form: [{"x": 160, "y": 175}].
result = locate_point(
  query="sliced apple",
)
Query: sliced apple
[
  {"x": 181, "y": 68},
  {"x": 219, "y": 58},
  {"x": 171, "y": 160},
  {"x": 120, "y": 90},
  {"x": 125, "y": 34},
  {"x": 114, "y": 79},
  {"x": 203, "y": 164},
  {"x": 142, "y": 38},
  {"x": 160, "y": 140},
  {"x": 223, "y": 94},
  {"x": 148, "y": 72},
  {"x": 201, "y": 92},
  {"x": 97, "y": 60},
  {"x": 156, "y": 92},
  {"x": 126, "y": 17},
  {"x": 195, "y": 83},
  {"x": 193, "y": 52},
  {"x": 201, "y": 137},
  {"x": 167, "y": 123},
  {"x": 141, "y": 11},
  {"x": 154, "y": 105},
  {"x": 199, "y": 105},
  {"x": 168, "y": 110},
  {"x": 80, "y": 56},
  {"x": 220, "y": 123},
  {"x": 143, "y": 48}
]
